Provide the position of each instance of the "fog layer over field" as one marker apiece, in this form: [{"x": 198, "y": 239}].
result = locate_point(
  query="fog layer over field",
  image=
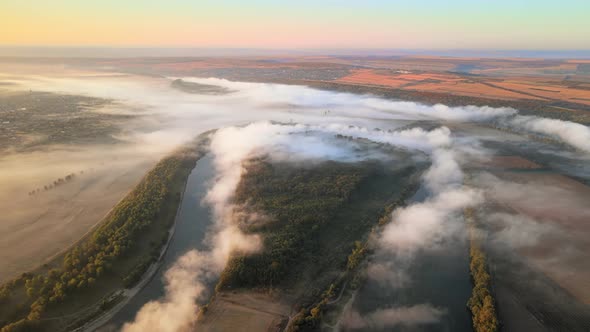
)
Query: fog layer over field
[
  {"x": 176, "y": 115},
  {"x": 391, "y": 317},
  {"x": 303, "y": 128}
]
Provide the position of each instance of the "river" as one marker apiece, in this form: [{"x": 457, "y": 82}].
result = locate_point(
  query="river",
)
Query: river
[
  {"x": 439, "y": 277},
  {"x": 192, "y": 222}
]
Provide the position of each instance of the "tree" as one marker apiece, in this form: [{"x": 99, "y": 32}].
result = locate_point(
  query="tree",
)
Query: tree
[
  {"x": 315, "y": 312},
  {"x": 72, "y": 283},
  {"x": 81, "y": 284}
]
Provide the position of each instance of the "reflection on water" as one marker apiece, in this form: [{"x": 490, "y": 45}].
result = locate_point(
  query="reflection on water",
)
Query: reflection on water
[{"x": 192, "y": 223}]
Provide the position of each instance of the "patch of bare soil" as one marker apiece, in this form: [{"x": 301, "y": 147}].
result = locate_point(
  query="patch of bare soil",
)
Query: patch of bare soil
[
  {"x": 546, "y": 277},
  {"x": 510, "y": 162},
  {"x": 244, "y": 311}
]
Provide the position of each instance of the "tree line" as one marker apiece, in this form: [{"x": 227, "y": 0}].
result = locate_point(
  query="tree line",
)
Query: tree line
[
  {"x": 55, "y": 183},
  {"x": 481, "y": 303}
]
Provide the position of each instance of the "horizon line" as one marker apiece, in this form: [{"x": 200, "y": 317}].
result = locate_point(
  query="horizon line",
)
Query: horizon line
[{"x": 98, "y": 51}]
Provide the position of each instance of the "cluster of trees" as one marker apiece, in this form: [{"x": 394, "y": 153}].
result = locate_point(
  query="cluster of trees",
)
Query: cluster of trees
[
  {"x": 300, "y": 201},
  {"x": 310, "y": 319},
  {"x": 192, "y": 87},
  {"x": 10, "y": 286},
  {"x": 23, "y": 325},
  {"x": 55, "y": 183},
  {"x": 135, "y": 275},
  {"x": 358, "y": 253},
  {"x": 86, "y": 263},
  {"x": 481, "y": 303}
]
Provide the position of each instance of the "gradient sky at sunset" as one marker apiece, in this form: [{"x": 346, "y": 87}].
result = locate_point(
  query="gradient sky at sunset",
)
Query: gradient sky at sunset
[{"x": 489, "y": 24}]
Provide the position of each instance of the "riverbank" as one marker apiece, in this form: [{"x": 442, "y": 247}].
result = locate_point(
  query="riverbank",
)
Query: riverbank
[
  {"x": 128, "y": 244},
  {"x": 193, "y": 223},
  {"x": 129, "y": 294}
]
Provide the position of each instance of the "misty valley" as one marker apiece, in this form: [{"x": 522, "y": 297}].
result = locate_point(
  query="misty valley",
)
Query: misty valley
[{"x": 163, "y": 201}]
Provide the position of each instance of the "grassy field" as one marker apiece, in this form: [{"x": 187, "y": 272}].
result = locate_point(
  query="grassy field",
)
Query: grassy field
[{"x": 245, "y": 310}]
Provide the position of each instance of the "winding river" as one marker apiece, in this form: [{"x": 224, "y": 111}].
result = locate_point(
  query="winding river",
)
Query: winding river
[{"x": 192, "y": 223}]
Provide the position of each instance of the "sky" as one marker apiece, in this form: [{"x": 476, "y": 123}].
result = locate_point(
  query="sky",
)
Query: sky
[{"x": 400, "y": 24}]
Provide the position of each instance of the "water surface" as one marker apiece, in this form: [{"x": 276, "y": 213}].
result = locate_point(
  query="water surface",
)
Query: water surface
[{"x": 192, "y": 222}]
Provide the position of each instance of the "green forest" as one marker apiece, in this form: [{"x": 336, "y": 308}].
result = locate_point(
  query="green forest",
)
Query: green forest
[
  {"x": 301, "y": 201},
  {"x": 319, "y": 217}
]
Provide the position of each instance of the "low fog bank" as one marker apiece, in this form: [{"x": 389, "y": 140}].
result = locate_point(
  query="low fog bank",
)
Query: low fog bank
[
  {"x": 574, "y": 134},
  {"x": 411, "y": 316},
  {"x": 176, "y": 116}
]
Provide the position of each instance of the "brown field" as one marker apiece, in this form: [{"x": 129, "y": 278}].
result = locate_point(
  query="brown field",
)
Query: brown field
[
  {"x": 471, "y": 89},
  {"x": 365, "y": 76},
  {"x": 538, "y": 254},
  {"x": 513, "y": 314},
  {"x": 244, "y": 311},
  {"x": 549, "y": 91},
  {"x": 506, "y": 79},
  {"x": 35, "y": 228},
  {"x": 509, "y": 162},
  {"x": 523, "y": 88},
  {"x": 560, "y": 254},
  {"x": 440, "y": 83}
]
